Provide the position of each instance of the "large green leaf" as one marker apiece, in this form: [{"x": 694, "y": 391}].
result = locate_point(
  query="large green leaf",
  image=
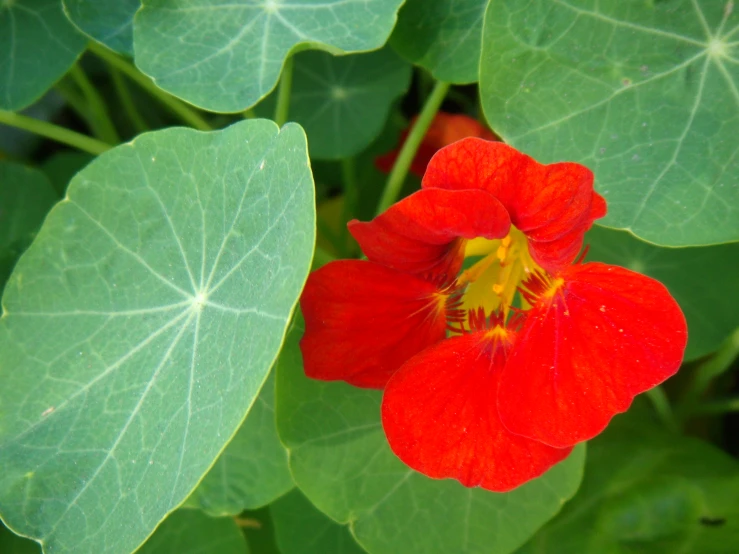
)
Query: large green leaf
[
  {"x": 107, "y": 21},
  {"x": 443, "y": 36},
  {"x": 341, "y": 461},
  {"x": 141, "y": 324},
  {"x": 342, "y": 102},
  {"x": 38, "y": 45},
  {"x": 302, "y": 529},
  {"x": 252, "y": 471},
  {"x": 26, "y": 196},
  {"x": 646, "y": 94},
  {"x": 712, "y": 311},
  {"x": 648, "y": 491},
  {"x": 192, "y": 532},
  {"x": 226, "y": 56}
]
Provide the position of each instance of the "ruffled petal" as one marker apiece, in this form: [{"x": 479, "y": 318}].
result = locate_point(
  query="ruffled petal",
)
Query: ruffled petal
[
  {"x": 440, "y": 418},
  {"x": 363, "y": 321},
  {"x": 582, "y": 355},
  {"x": 421, "y": 233},
  {"x": 546, "y": 202}
]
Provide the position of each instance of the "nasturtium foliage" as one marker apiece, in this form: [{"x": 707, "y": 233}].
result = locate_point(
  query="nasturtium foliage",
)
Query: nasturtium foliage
[
  {"x": 225, "y": 57},
  {"x": 252, "y": 471},
  {"x": 711, "y": 313},
  {"x": 341, "y": 461},
  {"x": 646, "y": 94},
  {"x": 107, "y": 21},
  {"x": 38, "y": 45},
  {"x": 62, "y": 166},
  {"x": 444, "y": 37},
  {"x": 647, "y": 490},
  {"x": 300, "y": 528},
  {"x": 192, "y": 532},
  {"x": 25, "y": 197},
  {"x": 343, "y": 102},
  {"x": 140, "y": 325},
  {"x": 13, "y": 544}
]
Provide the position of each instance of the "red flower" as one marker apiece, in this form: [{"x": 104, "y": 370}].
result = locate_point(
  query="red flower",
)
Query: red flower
[
  {"x": 445, "y": 129},
  {"x": 491, "y": 401}
]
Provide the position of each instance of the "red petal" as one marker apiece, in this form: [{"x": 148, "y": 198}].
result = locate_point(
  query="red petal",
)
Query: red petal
[
  {"x": 607, "y": 335},
  {"x": 440, "y": 418},
  {"x": 363, "y": 321},
  {"x": 420, "y": 233},
  {"x": 546, "y": 202}
]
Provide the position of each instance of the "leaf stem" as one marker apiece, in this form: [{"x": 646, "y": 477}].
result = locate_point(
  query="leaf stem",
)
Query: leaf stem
[
  {"x": 54, "y": 132},
  {"x": 410, "y": 147},
  {"x": 124, "y": 95},
  {"x": 351, "y": 194},
  {"x": 283, "y": 92},
  {"x": 661, "y": 405},
  {"x": 722, "y": 406},
  {"x": 182, "y": 110},
  {"x": 102, "y": 126}
]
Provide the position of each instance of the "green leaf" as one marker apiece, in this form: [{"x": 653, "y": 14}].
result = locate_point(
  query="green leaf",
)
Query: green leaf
[
  {"x": 62, "y": 166},
  {"x": 13, "y": 544},
  {"x": 341, "y": 461},
  {"x": 26, "y": 196},
  {"x": 107, "y": 21},
  {"x": 646, "y": 94},
  {"x": 141, "y": 324},
  {"x": 444, "y": 37},
  {"x": 648, "y": 491},
  {"x": 343, "y": 102},
  {"x": 258, "y": 527},
  {"x": 38, "y": 45},
  {"x": 252, "y": 471},
  {"x": 192, "y": 532},
  {"x": 712, "y": 311},
  {"x": 225, "y": 57},
  {"x": 302, "y": 529}
]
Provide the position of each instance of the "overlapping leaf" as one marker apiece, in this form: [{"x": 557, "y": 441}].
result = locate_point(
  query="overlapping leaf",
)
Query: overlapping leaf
[
  {"x": 342, "y": 102},
  {"x": 712, "y": 310},
  {"x": 444, "y": 36},
  {"x": 644, "y": 93},
  {"x": 192, "y": 532},
  {"x": 141, "y": 324},
  {"x": 226, "y": 56},
  {"x": 341, "y": 461},
  {"x": 646, "y": 490},
  {"x": 107, "y": 21},
  {"x": 38, "y": 45}
]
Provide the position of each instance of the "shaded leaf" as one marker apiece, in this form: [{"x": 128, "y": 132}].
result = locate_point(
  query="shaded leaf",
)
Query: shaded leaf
[
  {"x": 252, "y": 471},
  {"x": 62, "y": 166},
  {"x": 646, "y": 94},
  {"x": 444, "y": 37},
  {"x": 341, "y": 461},
  {"x": 141, "y": 324},
  {"x": 107, "y": 21},
  {"x": 13, "y": 544},
  {"x": 225, "y": 57},
  {"x": 712, "y": 311},
  {"x": 38, "y": 45},
  {"x": 192, "y": 532}
]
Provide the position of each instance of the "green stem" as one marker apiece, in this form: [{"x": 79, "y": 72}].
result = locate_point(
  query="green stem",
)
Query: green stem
[
  {"x": 102, "y": 125},
  {"x": 283, "y": 92},
  {"x": 718, "y": 406},
  {"x": 410, "y": 147},
  {"x": 124, "y": 96},
  {"x": 320, "y": 258},
  {"x": 74, "y": 100},
  {"x": 182, "y": 110},
  {"x": 351, "y": 194},
  {"x": 662, "y": 406},
  {"x": 54, "y": 132}
]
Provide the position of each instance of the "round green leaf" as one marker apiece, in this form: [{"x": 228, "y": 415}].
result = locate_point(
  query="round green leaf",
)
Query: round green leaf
[
  {"x": 252, "y": 471},
  {"x": 443, "y": 36},
  {"x": 26, "y": 196},
  {"x": 107, "y": 21},
  {"x": 141, "y": 324},
  {"x": 302, "y": 529},
  {"x": 342, "y": 102},
  {"x": 341, "y": 461},
  {"x": 225, "y": 57},
  {"x": 38, "y": 45},
  {"x": 192, "y": 532},
  {"x": 647, "y": 490},
  {"x": 711, "y": 313},
  {"x": 646, "y": 94}
]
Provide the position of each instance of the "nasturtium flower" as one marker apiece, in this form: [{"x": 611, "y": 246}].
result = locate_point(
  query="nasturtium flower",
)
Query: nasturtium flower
[
  {"x": 497, "y": 348},
  {"x": 445, "y": 129}
]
